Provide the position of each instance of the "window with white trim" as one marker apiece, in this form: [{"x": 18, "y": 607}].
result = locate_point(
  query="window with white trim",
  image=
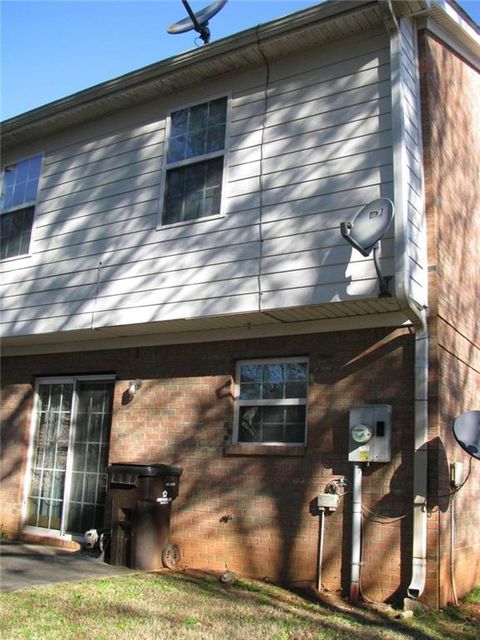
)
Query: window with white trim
[
  {"x": 271, "y": 403},
  {"x": 194, "y": 164},
  {"x": 19, "y": 195}
]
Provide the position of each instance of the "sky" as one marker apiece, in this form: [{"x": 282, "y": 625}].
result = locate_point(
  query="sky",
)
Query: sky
[{"x": 53, "y": 48}]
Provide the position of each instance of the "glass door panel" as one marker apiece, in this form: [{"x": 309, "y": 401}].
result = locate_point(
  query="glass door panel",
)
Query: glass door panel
[
  {"x": 90, "y": 456},
  {"x": 50, "y": 446},
  {"x": 70, "y": 455}
]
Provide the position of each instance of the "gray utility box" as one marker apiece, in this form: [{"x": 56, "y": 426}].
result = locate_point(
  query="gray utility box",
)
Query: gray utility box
[
  {"x": 370, "y": 433},
  {"x": 139, "y": 502}
]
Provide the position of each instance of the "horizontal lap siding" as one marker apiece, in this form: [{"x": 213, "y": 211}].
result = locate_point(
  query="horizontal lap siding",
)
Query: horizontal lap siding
[
  {"x": 99, "y": 258},
  {"x": 326, "y": 153},
  {"x": 414, "y": 174}
]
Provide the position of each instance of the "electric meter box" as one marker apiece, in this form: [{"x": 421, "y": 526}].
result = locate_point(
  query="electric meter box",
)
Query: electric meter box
[{"x": 370, "y": 433}]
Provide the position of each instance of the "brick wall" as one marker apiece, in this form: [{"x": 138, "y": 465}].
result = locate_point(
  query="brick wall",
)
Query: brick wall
[
  {"x": 451, "y": 129},
  {"x": 252, "y": 513}
]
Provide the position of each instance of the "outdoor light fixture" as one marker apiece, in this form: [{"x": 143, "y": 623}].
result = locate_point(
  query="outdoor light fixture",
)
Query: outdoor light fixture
[{"x": 133, "y": 387}]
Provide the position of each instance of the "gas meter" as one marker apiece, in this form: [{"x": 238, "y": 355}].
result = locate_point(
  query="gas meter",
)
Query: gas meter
[{"x": 370, "y": 433}]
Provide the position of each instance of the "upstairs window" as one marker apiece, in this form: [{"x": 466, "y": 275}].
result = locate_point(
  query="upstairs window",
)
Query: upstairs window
[
  {"x": 271, "y": 404},
  {"x": 195, "y": 160},
  {"x": 19, "y": 195}
]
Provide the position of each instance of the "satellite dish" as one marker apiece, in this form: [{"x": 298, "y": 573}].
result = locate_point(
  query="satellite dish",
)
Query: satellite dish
[
  {"x": 466, "y": 429},
  {"x": 366, "y": 230},
  {"x": 197, "y": 21}
]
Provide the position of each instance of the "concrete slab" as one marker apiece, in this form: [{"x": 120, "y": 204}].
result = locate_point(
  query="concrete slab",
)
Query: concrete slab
[{"x": 24, "y": 565}]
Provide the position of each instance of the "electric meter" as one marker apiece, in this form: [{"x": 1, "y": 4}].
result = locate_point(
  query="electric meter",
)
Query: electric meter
[
  {"x": 361, "y": 433},
  {"x": 370, "y": 433}
]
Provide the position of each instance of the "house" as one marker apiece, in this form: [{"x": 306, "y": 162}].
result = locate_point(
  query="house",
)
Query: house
[{"x": 176, "y": 289}]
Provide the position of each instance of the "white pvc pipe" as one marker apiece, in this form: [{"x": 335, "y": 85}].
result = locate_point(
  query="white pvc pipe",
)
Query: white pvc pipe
[
  {"x": 452, "y": 550},
  {"x": 320, "y": 548},
  {"x": 356, "y": 533}
]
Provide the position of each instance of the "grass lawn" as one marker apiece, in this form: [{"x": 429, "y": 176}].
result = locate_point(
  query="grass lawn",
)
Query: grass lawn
[{"x": 177, "y": 606}]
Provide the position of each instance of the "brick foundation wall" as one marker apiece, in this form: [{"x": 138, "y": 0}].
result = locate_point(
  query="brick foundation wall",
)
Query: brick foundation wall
[
  {"x": 451, "y": 129},
  {"x": 252, "y": 513}
]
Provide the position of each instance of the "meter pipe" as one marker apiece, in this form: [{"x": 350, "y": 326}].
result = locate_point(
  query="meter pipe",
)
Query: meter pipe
[
  {"x": 414, "y": 313},
  {"x": 452, "y": 550},
  {"x": 356, "y": 533},
  {"x": 320, "y": 548}
]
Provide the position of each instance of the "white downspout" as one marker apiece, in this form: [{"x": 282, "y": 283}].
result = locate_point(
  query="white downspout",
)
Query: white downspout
[
  {"x": 420, "y": 462},
  {"x": 356, "y": 533},
  {"x": 417, "y": 316}
]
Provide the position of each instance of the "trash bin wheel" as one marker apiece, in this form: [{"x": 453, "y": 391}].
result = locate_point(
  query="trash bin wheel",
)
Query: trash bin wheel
[{"x": 170, "y": 555}]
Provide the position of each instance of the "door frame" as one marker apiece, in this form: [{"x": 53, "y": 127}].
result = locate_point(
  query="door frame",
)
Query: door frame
[{"x": 73, "y": 379}]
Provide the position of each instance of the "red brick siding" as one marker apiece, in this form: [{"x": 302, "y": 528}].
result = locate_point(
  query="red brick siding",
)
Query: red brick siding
[
  {"x": 179, "y": 417},
  {"x": 451, "y": 129}
]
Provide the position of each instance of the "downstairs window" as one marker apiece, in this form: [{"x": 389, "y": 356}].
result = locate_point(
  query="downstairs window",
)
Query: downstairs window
[{"x": 271, "y": 401}]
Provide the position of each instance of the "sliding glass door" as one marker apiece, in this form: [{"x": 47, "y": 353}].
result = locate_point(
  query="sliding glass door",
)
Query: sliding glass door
[{"x": 69, "y": 454}]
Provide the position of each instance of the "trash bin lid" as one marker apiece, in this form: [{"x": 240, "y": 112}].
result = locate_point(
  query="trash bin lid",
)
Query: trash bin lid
[{"x": 143, "y": 470}]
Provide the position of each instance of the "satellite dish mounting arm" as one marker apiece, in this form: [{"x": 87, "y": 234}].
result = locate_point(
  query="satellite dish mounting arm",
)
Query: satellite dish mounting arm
[
  {"x": 382, "y": 280},
  {"x": 201, "y": 29}
]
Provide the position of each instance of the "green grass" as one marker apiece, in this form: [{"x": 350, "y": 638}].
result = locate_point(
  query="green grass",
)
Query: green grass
[
  {"x": 474, "y": 597},
  {"x": 181, "y": 606}
]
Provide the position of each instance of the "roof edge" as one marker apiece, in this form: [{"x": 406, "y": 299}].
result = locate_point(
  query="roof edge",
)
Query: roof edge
[{"x": 229, "y": 44}]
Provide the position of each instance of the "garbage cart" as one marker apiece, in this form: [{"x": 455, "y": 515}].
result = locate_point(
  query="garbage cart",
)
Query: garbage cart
[{"x": 139, "y": 502}]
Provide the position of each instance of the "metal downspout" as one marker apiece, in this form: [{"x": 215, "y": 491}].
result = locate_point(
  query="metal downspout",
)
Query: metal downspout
[
  {"x": 356, "y": 554},
  {"x": 420, "y": 462},
  {"x": 417, "y": 316}
]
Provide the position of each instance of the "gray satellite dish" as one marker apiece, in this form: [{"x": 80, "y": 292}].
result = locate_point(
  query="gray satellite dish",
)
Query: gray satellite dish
[
  {"x": 198, "y": 20},
  {"x": 466, "y": 429},
  {"x": 366, "y": 230}
]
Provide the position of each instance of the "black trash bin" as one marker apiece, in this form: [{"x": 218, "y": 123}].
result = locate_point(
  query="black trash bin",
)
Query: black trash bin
[{"x": 139, "y": 503}]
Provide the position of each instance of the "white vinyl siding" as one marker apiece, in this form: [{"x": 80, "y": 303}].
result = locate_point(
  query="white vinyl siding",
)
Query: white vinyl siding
[
  {"x": 417, "y": 262},
  {"x": 100, "y": 260}
]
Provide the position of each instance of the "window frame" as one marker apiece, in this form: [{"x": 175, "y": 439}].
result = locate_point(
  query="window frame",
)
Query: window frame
[
  {"x": 166, "y": 166},
  {"x": 268, "y": 402},
  {"x": 26, "y": 205}
]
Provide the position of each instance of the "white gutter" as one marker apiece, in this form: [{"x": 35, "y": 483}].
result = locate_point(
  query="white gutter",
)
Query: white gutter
[{"x": 416, "y": 315}]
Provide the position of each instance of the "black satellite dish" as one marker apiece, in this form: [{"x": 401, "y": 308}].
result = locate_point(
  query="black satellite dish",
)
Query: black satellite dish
[
  {"x": 198, "y": 20},
  {"x": 366, "y": 230},
  {"x": 466, "y": 429}
]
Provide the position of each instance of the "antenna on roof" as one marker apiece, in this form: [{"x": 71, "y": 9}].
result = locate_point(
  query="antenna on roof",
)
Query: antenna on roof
[
  {"x": 198, "y": 20},
  {"x": 366, "y": 230}
]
